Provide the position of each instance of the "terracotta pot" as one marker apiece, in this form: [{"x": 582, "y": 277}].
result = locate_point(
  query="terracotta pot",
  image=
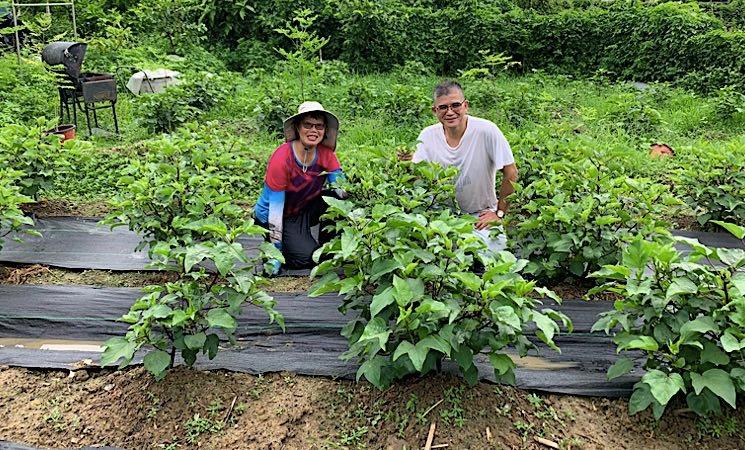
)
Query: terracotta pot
[{"x": 65, "y": 132}]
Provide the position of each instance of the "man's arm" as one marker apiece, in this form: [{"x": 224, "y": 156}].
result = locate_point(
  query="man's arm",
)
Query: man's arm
[
  {"x": 509, "y": 176},
  {"x": 488, "y": 218}
]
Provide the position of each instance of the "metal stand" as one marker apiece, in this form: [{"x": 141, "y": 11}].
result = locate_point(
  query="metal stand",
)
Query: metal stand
[
  {"x": 71, "y": 99},
  {"x": 15, "y": 5},
  {"x": 92, "y": 107}
]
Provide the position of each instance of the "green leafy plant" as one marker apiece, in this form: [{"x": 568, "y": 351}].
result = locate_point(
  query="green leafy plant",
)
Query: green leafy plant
[
  {"x": 729, "y": 103},
  {"x": 713, "y": 186},
  {"x": 403, "y": 263},
  {"x": 178, "y": 198},
  {"x": 575, "y": 217},
  {"x": 182, "y": 103},
  {"x": 12, "y": 219},
  {"x": 177, "y": 21},
  {"x": 305, "y": 45},
  {"x": 37, "y": 157},
  {"x": 24, "y": 85},
  {"x": 491, "y": 65},
  {"x": 686, "y": 313}
]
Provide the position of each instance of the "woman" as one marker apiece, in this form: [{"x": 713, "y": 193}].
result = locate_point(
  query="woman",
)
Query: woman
[{"x": 290, "y": 203}]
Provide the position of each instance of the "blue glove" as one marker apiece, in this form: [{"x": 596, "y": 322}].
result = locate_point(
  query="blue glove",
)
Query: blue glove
[{"x": 273, "y": 266}]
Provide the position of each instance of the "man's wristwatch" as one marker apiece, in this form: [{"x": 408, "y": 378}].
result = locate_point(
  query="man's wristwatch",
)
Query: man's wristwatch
[{"x": 500, "y": 213}]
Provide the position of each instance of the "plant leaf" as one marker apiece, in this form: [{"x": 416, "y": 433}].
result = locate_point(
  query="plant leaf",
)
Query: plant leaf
[
  {"x": 220, "y": 318},
  {"x": 679, "y": 286},
  {"x": 717, "y": 381},
  {"x": 157, "y": 363},
  {"x": 195, "y": 341},
  {"x": 118, "y": 348},
  {"x": 734, "y": 229},
  {"x": 380, "y": 301},
  {"x": 619, "y": 368},
  {"x": 662, "y": 386}
]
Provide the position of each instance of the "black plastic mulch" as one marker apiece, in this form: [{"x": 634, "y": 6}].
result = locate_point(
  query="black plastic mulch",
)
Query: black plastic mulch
[
  {"x": 80, "y": 243},
  {"x": 311, "y": 345}
]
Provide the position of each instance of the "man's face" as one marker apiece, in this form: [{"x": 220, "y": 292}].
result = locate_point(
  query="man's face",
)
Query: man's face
[{"x": 451, "y": 109}]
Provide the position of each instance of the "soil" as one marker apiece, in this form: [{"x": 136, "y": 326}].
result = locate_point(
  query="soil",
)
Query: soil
[
  {"x": 65, "y": 208},
  {"x": 222, "y": 410},
  {"x": 39, "y": 274}
]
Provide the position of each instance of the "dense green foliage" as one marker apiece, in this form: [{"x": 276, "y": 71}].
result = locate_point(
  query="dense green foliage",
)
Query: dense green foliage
[
  {"x": 664, "y": 42},
  {"x": 575, "y": 217},
  {"x": 12, "y": 219},
  {"x": 659, "y": 41},
  {"x": 178, "y": 198},
  {"x": 39, "y": 158},
  {"x": 686, "y": 316},
  {"x": 407, "y": 262}
]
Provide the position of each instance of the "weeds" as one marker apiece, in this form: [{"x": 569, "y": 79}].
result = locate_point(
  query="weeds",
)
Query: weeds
[
  {"x": 198, "y": 425},
  {"x": 455, "y": 413}
]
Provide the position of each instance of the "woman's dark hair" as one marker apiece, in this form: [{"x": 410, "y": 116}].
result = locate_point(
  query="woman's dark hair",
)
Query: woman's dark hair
[{"x": 313, "y": 115}]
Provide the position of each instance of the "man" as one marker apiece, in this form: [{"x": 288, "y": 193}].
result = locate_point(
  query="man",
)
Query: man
[{"x": 478, "y": 149}]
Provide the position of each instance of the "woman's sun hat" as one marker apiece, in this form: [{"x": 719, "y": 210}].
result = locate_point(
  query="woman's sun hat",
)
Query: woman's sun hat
[{"x": 332, "y": 124}]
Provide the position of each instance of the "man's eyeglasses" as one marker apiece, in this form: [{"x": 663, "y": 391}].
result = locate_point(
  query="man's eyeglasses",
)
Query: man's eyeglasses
[
  {"x": 317, "y": 126},
  {"x": 455, "y": 106}
]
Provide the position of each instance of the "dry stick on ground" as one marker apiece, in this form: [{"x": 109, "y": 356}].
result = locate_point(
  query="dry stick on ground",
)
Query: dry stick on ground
[
  {"x": 430, "y": 436},
  {"x": 546, "y": 442},
  {"x": 440, "y": 446},
  {"x": 230, "y": 410},
  {"x": 429, "y": 410},
  {"x": 488, "y": 434}
]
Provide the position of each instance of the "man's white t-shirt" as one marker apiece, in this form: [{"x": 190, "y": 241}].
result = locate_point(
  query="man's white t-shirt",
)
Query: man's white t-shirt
[{"x": 482, "y": 151}]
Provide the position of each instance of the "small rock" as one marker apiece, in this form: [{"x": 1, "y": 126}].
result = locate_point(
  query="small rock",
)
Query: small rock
[
  {"x": 108, "y": 387},
  {"x": 72, "y": 374},
  {"x": 81, "y": 375},
  {"x": 394, "y": 443}
]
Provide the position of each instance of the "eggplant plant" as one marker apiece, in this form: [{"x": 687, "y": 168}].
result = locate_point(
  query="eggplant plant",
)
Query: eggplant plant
[
  {"x": 685, "y": 313},
  {"x": 178, "y": 198},
  {"x": 404, "y": 265}
]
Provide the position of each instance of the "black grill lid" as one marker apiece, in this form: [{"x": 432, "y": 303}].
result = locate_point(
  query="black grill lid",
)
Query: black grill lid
[{"x": 68, "y": 54}]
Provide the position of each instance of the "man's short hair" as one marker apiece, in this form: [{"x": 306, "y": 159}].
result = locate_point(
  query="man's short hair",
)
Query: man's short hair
[{"x": 445, "y": 87}]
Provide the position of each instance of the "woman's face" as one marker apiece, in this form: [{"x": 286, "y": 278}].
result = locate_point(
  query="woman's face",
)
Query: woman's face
[{"x": 311, "y": 131}]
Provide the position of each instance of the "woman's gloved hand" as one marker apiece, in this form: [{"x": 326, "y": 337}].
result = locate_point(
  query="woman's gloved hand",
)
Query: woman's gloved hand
[
  {"x": 272, "y": 267},
  {"x": 341, "y": 193}
]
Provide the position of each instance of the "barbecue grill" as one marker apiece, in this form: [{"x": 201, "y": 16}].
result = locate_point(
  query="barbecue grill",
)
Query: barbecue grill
[{"x": 79, "y": 90}]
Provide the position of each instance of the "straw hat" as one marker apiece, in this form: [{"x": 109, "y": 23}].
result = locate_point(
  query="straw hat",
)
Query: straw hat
[{"x": 332, "y": 124}]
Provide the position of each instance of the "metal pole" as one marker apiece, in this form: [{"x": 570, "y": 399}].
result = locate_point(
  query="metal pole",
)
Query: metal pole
[
  {"x": 15, "y": 26},
  {"x": 74, "y": 25}
]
